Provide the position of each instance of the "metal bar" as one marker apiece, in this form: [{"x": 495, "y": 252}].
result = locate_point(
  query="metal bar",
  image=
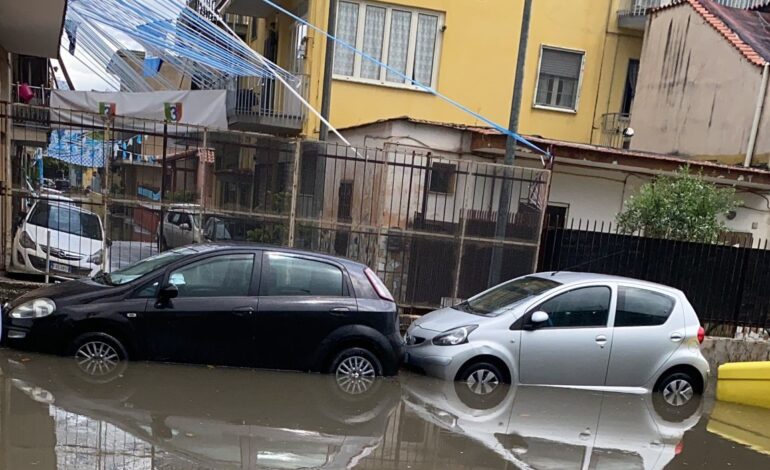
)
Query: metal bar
[
  {"x": 163, "y": 185},
  {"x": 106, "y": 250},
  {"x": 47, "y": 255},
  {"x": 463, "y": 225},
  {"x": 294, "y": 191}
]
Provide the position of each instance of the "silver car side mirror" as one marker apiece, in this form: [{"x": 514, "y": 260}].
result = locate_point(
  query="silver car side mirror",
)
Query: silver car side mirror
[{"x": 538, "y": 318}]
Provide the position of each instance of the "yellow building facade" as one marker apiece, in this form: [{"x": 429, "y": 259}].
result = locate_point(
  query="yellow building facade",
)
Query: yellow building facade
[{"x": 577, "y": 68}]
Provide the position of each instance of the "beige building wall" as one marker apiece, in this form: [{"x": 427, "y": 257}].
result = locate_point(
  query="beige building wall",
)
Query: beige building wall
[{"x": 696, "y": 94}]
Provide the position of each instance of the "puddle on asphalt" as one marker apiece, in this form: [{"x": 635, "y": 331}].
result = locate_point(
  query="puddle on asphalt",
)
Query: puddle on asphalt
[{"x": 55, "y": 414}]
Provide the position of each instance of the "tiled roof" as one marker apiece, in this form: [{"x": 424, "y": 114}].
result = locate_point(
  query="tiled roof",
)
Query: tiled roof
[{"x": 748, "y": 30}]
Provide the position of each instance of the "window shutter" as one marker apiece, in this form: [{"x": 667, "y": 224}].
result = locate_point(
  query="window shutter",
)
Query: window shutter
[{"x": 561, "y": 63}]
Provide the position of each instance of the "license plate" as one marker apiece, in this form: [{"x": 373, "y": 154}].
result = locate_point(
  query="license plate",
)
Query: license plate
[{"x": 60, "y": 267}]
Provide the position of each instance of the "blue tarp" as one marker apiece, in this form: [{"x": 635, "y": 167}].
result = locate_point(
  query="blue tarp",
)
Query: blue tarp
[{"x": 77, "y": 148}]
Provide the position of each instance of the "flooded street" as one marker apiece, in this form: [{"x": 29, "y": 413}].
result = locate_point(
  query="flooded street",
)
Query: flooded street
[{"x": 55, "y": 414}]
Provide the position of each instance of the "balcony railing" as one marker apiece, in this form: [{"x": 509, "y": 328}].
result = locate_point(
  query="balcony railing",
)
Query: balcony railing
[
  {"x": 40, "y": 96},
  {"x": 631, "y": 14},
  {"x": 613, "y": 130},
  {"x": 264, "y": 104}
]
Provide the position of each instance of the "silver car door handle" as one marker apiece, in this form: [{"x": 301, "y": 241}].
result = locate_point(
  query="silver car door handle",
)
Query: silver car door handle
[
  {"x": 677, "y": 337},
  {"x": 601, "y": 340}
]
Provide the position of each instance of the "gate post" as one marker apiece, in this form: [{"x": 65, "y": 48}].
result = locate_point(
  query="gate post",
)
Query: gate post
[
  {"x": 464, "y": 214},
  {"x": 107, "y": 250}
]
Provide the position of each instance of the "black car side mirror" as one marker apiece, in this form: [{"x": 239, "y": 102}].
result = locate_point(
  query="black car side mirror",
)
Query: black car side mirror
[{"x": 169, "y": 292}]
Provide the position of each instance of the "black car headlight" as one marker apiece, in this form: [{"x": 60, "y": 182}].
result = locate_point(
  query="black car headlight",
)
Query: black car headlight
[
  {"x": 454, "y": 336},
  {"x": 37, "y": 308}
]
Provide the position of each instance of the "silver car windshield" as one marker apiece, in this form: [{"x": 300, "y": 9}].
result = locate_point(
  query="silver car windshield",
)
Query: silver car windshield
[{"x": 506, "y": 295}]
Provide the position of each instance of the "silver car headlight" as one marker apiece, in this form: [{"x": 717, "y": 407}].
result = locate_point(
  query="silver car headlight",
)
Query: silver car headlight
[
  {"x": 37, "y": 308},
  {"x": 454, "y": 336}
]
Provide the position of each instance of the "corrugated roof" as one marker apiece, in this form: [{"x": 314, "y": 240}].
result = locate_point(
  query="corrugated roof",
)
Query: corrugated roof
[
  {"x": 557, "y": 144},
  {"x": 747, "y": 30}
]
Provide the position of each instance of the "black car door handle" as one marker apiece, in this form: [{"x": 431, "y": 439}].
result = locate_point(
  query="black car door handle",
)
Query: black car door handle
[
  {"x": 243, "y": 311},
  {"x": 339, "y": 311}
]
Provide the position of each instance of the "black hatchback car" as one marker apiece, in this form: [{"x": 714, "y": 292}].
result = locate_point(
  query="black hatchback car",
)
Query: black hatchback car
[{"x": 229, "y": 304}]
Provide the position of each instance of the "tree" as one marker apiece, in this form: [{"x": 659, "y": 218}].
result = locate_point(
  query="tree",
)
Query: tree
[{"x": 680, "y": 207}]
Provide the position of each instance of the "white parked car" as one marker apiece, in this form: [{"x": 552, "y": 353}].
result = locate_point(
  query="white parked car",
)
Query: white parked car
[
  {"x": 182, "y": 226},
  {"x": 77, "y": 241}
]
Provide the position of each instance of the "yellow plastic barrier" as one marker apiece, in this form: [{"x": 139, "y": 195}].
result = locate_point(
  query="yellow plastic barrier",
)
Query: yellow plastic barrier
[
  {"x": 747, "y": 383},
  {"x": 741, "y": 424}
]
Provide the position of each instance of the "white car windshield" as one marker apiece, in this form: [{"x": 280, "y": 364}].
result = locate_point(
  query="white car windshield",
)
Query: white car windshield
[
  {"x": 506, "y": 295},
  {"x": 66, "y": 218}
]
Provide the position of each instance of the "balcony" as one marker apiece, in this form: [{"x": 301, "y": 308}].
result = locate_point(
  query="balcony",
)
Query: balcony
[
  {"x": 34, "y": 96},
  {"x": 633, "y": 13},
  {"x": 264, "y": 105},
  {"x": 613, "y": 127}
]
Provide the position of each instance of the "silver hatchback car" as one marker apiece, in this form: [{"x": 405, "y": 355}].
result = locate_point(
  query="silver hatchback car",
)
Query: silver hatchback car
[{"x": 566, "y": 329}]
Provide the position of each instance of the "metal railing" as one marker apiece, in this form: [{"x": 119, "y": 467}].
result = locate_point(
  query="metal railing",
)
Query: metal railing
[
  {"x": 725, "y": 281},
  {"x": 40, "y": 97},
  {"x": 261, "y": 99},
  {"x": 425, "y": 223},
  {"x": 613, "y": 125}
]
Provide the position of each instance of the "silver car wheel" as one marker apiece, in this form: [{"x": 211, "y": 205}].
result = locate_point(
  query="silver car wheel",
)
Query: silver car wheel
[
  {"x": 97, "y": 357},
  {"x": 355, "y": 375},
  {"x": 482, "y": 382},
  {"x": 678, "y": 392}
]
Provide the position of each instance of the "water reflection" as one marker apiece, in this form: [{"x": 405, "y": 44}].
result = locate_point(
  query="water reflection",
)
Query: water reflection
[{"x": 54, "y": 414}]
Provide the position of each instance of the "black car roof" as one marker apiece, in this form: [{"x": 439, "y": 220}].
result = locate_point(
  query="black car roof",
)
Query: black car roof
[{"x": 212, "y": 246}]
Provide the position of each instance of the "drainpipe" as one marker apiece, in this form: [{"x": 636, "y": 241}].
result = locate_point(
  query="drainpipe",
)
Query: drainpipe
[{"x": 757, "y": 117}]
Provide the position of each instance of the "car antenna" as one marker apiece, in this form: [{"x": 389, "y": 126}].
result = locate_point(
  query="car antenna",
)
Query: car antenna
[{"x": 569, "y": 268}]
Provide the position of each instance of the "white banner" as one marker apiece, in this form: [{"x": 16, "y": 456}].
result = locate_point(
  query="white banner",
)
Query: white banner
[{"x": 206, "y": 108}]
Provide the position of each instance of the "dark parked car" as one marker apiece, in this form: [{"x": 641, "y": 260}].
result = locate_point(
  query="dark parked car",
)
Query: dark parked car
[{"x": 229, "y": 304}]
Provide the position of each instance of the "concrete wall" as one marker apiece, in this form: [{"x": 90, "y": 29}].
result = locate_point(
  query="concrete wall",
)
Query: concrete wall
[{"x": 696, "y": 93}]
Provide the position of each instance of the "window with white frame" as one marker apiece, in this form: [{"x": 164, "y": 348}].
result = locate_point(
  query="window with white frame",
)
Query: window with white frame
[
  {"x": 405, "y": 39},
  {"x": 558, "y": 83}
]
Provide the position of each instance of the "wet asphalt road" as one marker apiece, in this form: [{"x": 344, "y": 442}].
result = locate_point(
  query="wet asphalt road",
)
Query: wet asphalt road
[{"x": 56, "y": 414}]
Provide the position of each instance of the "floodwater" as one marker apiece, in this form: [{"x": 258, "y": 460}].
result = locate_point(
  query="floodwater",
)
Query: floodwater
[{"x": 57, "y": 414}]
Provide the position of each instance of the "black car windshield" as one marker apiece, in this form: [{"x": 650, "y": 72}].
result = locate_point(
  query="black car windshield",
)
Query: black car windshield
[
  {"x": 148, "y": 265},
  {"x": 506, "y": 295},
  {"x": 63, "y": 217}
]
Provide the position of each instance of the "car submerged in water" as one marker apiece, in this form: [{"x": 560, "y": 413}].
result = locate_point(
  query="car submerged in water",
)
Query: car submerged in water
[
  {"x": 229, "y": 304},
  {"x": 566, "y": 329}
]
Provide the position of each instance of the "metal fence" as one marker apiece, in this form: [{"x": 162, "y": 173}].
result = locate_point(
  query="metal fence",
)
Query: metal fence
[
  {"x": 87, "y": 194},
  {"x": 726, "y": 282}
]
